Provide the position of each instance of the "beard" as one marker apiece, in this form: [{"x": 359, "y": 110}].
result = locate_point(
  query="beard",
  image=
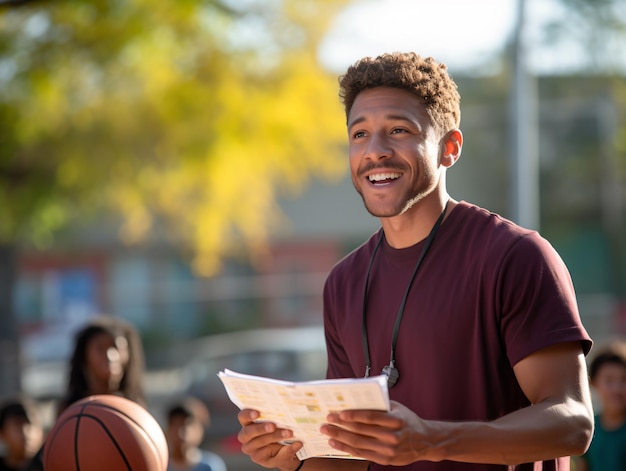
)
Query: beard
[
  {"x": 395, "y": 210},
  {"x": 420, "y": 189}
]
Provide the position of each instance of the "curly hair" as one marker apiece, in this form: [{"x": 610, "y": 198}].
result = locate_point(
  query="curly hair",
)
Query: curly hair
[{"x": 423, "y": 77}]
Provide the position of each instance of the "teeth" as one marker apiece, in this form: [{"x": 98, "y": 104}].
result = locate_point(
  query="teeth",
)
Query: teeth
[{"x": 377, "y": 177}]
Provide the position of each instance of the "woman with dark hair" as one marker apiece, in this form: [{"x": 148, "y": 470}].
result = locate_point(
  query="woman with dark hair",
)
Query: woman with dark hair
[{"x": 107, "y": 358}]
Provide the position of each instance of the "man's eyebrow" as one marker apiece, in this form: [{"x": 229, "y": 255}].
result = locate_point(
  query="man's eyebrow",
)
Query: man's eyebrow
[
  {"x": 389, "y": 117},
  {"x": 356, "y": 121}
]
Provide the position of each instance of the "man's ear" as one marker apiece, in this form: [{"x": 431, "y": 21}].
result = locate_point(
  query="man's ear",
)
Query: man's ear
[{"x": 452, "y": 144}]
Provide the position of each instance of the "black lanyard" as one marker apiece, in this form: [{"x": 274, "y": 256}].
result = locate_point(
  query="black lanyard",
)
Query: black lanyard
[{"x": 390, "y": 370}]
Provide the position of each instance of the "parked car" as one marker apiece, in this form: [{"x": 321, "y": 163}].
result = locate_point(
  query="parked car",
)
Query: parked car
[{"x": 292, "y": 354}]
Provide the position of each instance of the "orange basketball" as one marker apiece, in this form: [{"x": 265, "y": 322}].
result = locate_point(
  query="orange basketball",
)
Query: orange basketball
[{"x": 105, "y": 433}]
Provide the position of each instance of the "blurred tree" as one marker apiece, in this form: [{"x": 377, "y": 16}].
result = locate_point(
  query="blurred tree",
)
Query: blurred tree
[
  {"x": 192, "y": 114},
  {"x": 595, "y": 28}
]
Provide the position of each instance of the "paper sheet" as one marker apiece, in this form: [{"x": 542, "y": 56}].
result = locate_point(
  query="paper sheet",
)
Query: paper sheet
[{"x": 303, "y": 406}]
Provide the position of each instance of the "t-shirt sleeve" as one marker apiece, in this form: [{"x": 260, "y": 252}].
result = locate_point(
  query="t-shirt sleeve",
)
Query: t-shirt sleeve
[{"x": 537, "y": 299}]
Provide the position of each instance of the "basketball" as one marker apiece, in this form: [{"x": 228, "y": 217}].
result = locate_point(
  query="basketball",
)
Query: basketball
[{"x": 105, "y": 433}]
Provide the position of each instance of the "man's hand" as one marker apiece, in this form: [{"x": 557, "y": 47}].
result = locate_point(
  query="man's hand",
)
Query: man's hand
[
  {"x": 261, "y": 441},
  {"x": 389, "y": 438}
]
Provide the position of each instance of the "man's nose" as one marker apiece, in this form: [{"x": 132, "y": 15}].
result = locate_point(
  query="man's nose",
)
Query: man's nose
[{"x": 378, "y": 147}]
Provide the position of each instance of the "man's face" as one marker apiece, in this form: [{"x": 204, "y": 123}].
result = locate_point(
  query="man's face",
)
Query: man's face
[
  {"x": 394, "y": 150},
  {"x": 184, "y": 432},
  {"x": 21, "y": 437},
  {"x": 610, "y": 385}
]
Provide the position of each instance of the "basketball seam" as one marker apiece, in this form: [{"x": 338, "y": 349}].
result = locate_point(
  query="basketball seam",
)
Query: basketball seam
[
  {"x": 108, "y": 432},
  {"x": 78, "y": 417},
  {"x": 154, "y": 444}
]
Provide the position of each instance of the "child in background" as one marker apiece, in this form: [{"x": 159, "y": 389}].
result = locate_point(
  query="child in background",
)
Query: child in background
[
  {"x": 21, "y": 433},
  {"x": 607, "y": 373},
  {"x": 186, "y": 422}
]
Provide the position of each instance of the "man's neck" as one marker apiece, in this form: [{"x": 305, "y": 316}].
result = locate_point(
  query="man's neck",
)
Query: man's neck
[{"x": 413, "y": 226}]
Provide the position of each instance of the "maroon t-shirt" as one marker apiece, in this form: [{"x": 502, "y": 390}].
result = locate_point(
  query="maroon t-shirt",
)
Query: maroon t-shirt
[{"x": 487, "y": 294}]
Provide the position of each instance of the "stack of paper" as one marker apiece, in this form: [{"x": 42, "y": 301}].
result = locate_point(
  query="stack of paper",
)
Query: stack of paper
[{"x": 303, "y": 406}]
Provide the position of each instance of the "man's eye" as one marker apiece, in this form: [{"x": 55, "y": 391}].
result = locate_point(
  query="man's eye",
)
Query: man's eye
[
  {"x": 359, "y": 134},
  {"x": 398, "y": 131}
]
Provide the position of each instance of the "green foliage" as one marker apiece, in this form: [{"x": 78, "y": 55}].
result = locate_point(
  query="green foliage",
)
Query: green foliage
[{"x": 194, "y": 112}]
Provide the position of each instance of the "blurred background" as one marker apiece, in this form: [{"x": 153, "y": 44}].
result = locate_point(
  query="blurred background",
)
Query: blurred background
[{"x": 183, "y": 165}]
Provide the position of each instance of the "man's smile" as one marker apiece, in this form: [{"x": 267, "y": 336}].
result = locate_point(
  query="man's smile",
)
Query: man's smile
[{"x": 383, "y": 177}]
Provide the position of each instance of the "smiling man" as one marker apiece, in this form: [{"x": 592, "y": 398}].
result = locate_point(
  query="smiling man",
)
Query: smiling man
[{"x": 472, "y": 318}]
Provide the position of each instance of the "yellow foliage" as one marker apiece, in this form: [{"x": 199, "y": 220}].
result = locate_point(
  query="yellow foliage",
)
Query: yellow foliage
[{"x": 150, "y": 112}]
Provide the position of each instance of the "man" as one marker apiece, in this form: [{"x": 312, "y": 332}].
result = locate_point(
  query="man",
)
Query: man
[{"x": 487, "y": 349}]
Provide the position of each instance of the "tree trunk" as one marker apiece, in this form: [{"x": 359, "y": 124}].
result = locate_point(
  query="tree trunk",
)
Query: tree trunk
[{"x": 9, "y": 340}]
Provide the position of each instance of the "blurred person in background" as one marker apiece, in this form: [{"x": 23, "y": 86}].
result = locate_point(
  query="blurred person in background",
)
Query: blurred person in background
[
  {"x": 107, "y": 358},
  {"x": 21, "y": 433},
  {"x": 487, "y": 367},
  {"x": 187, "y": 421},
  {"x": 607, "y": 374}
]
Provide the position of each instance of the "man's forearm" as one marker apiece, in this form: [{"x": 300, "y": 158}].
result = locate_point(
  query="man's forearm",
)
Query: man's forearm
[{"x": 535, "y": 433}]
